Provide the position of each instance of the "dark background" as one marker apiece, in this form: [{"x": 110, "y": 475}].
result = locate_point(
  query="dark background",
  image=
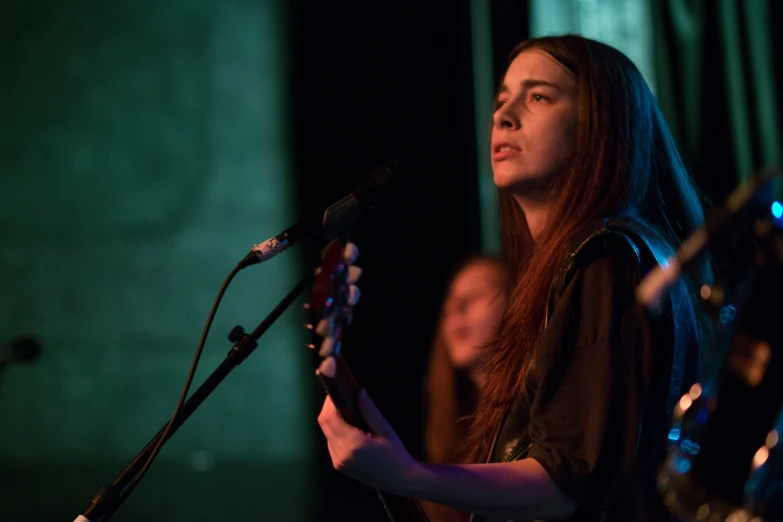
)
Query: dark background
[{"x": 394, "y": 82}]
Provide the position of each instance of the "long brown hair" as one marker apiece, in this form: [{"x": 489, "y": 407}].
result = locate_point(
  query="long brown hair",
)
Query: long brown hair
[{"x": 625, "y": 165}]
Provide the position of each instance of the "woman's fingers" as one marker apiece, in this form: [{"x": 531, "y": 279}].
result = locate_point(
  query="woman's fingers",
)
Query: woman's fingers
[
  {"x": 375, "y": 420},
  {"x": 329, "y": 419},
  {"x": 334, "y": 427},
  {"x": 381, "y": 462},
  {"x": 342, "y": 439}
]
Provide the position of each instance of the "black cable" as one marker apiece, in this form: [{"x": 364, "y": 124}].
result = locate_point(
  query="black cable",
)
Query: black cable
[{"x": 185, "y": 390}]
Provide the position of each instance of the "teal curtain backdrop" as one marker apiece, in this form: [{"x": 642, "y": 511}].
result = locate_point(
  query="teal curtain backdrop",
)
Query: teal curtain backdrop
[
  {"x": 143, "y": 150},
  {"x": 720, "y": 65}
]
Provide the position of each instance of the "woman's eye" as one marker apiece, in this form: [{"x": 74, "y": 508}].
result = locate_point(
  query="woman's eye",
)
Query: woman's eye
[{"x": 538, "y": 97}]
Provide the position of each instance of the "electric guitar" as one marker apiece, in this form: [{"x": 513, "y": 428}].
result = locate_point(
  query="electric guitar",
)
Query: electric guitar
[{"x": 334, "y": 294}]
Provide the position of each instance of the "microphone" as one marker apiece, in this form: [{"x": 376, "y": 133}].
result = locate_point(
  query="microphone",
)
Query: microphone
[{"x": 338, "y": 219}]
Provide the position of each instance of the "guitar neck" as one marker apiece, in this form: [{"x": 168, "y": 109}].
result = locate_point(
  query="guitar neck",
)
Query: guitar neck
[{"x": 344, "y": 392}]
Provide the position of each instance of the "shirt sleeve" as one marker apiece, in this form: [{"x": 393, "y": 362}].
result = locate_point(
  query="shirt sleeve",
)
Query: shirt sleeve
[{"x": 593, "y": 377}]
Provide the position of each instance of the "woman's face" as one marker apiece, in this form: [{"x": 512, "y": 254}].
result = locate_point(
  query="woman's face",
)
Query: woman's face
[
  {"x": 534, "y": 124},
  {"x": 471, "y": 314}
]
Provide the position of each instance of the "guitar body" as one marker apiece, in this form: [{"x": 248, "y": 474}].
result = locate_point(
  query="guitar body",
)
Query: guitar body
[{"x": 330, "y": 309}]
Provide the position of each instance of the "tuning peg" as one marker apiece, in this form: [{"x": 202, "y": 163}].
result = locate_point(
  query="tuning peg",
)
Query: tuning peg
[
  {"x": 353, "y": 294},
  {"x": 327, "y": 368},
  {"x": 311, "y": 346},
  {"x": 307, "y": 306},
  {"x": 354, "y": 273},
  {"x": 307, "y": 326},
  {"x": 327, "y": 347},
  {"x": 324, "y": 328},
  {"x": 351, "y": 252}
]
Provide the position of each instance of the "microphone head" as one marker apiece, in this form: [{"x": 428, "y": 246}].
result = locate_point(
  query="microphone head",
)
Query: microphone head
[
  {"x": 371, "y": 192},
  {"x": 379, "y": 185}
]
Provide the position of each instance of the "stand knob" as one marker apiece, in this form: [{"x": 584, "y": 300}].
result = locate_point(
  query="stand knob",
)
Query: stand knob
[{"x": 236, "y": 334}]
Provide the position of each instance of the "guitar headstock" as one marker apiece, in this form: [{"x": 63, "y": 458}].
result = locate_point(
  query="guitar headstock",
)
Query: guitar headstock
[
  {"x": 331, "y": 304},
  {"x": 330, "y": 307}
]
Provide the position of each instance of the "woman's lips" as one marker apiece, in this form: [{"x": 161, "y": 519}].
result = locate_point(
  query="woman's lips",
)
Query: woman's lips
[
  {"x": 500, "y": 156},
  {"x": 501, "y": 151}
]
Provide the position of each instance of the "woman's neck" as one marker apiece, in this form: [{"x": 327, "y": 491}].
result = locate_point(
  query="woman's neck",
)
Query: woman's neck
[
  {"x": 536, "y": 209},
  {"x": 478, "y": 378}
]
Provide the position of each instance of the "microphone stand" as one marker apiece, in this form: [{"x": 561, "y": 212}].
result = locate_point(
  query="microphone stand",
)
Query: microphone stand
[{"x": 109, "y": 498}]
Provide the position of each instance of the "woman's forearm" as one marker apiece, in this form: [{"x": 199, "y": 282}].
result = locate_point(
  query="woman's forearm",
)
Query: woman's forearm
[{"x": 510, "y": 490}]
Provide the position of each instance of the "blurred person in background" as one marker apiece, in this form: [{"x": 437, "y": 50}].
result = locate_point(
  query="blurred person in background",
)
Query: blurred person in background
[{"x": 474, "y": 303}]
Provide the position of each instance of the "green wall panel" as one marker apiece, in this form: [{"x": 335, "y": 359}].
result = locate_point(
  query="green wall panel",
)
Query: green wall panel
[{"x": 144, "y": 150}]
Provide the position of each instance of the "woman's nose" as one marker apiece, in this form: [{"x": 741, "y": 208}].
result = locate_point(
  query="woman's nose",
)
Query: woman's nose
[{"x": 505, "y": 118}]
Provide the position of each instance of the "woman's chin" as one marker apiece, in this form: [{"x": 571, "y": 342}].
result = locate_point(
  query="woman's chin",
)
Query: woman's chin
[
  {"x": 467, "y": 364},
  {"x": 505, "y": 177},
  {"x": 500, "y": 181}
]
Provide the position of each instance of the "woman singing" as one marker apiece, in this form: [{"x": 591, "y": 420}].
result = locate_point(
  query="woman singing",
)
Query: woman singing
[{"x": 572, "y": 418}]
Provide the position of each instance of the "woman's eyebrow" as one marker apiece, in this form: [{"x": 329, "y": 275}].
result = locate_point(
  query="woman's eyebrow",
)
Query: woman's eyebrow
[
  {"x": 530, "y": 83},
  {"x": 527, "y": 84}
]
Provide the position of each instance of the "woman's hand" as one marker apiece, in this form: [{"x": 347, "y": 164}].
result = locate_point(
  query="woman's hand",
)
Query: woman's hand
[
  {"x": 518, "y": 490},
  {"x": 379, "y": 460}
]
